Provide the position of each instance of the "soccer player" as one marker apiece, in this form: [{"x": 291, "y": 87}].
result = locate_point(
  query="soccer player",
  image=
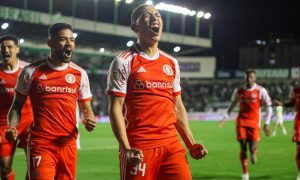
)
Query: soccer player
[
  {"x": 54, "y": 85},
  {"x": 146, "y": 106},
  {"x": 278, "y": 120},
  {"x": 294, "y": 97},
  {"x": 9, "y": 71},
  {"x": 250, "y": 98}
]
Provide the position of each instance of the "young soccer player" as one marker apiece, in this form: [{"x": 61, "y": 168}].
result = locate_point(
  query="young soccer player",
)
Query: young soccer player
[
  {"x": 10, "y": 68},
  {"x": 146, "y": 106},
  {"x": 250, "y": 97},
  {"x": 54, "y": 85}
]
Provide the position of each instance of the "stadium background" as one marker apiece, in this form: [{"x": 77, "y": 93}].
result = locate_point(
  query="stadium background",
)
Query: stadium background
[{"x": 102, "y": 28}]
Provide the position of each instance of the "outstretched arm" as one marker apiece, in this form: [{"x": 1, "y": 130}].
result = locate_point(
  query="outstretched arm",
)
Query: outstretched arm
[
  {"x": 134, "y": 156},
  {"x": 197, "y": 151},
  {"x": 14, "y": 116},
  {"x": 88, "y": 117},
  {"x": 230, "y": 109}
]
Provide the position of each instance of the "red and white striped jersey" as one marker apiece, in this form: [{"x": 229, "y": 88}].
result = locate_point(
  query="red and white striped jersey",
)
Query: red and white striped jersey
[
  {"x": 149, "y": 85},
  {"x": 250, "y": 101},
  {"x": 53, "y": 92},
  {"x": 8, "y": 80}
]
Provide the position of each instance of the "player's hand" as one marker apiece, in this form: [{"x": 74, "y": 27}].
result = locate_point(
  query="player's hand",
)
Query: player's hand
[
  {"x": 222, "y": 122},
  {"x": 11, "y": 134},
  {"x": 89, "y": 123},
  {"x": 198, "y": 151},
  {"x": 134, "y": 156},
  {"x": 275, "y": 102},
  {"x": 267, "y": 130}
]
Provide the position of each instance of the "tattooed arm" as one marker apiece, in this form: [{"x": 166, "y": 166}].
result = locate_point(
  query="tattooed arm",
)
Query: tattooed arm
[{"x": 14, "y": 116}]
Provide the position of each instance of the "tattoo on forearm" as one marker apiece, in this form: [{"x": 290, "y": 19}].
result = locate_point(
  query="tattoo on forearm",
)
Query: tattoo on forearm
[{"x": 14, "y": 118}]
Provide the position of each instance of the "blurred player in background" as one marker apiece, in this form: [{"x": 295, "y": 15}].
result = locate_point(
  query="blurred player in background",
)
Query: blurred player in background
[
  {"x": 294, "y": 97},
  {"x": 278, "y": 120},
  {"x": 250, "y": 98},
  {"x": 10, "y": 68},
  {"x": 54, "y": 85},
  {"x": 146, "y": 106}
]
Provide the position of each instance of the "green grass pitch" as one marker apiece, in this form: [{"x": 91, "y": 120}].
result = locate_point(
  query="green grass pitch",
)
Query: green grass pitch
[{"x": 98, "y": 157}]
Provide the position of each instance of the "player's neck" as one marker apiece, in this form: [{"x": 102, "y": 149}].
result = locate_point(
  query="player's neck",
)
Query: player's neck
[
  {"x": 56, "y": 62},
  {"x": 150, "y": 50},
  {"x": 11, "y": 65}
]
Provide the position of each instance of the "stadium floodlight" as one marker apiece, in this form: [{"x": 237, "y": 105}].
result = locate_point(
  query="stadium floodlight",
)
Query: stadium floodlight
[
  {"x": 129, "y": 43},
  {"x": 258, "y": 41},
  {"x": 118, "y": 0},
  {"x": 149, "y": 2},
  {"x": 21, "y": 41},
  {"x": 200, "y": 14},
  {"x": 4, "y": 26},
  {"x": 101, "y": 50},
  {"x": 177, "y": 49},
  {"x": 207, "y": 15},
  {"x": 75, "y": 35},
  {"x": 192, "y": 13},
  {"x": 174, "y": 9},
  {"x": 128, "y": 1}
]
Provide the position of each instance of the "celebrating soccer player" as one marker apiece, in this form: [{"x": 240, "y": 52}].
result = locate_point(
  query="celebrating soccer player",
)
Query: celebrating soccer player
[
  {"x": 9, "y": 71},
  {"x": 146, "y": 106},
  {"x": 54, "y": 85},
  {"x": 250, "y": 98},
  {"x": 294, "y": 101}
]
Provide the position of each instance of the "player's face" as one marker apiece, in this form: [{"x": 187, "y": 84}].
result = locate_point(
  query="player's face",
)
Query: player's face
[
  {"x": 250, "y": 79},
  {"x": 9, "y": 51},
  {"x": 149, "y": 25},
  {"x": 62, "y": 45}
]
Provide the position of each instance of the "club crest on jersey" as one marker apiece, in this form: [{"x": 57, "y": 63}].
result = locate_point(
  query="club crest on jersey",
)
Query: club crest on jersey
[
  {"x": 168, "y": 70},
  {"x": 253, "y": 95},
  {"x": 70, "y": 78}
]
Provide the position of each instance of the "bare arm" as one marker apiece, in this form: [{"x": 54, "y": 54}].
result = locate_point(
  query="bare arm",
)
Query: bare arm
[
  {"x": 15, "y": 111},
  {"x": 14, "y": 116},
  {"x": 197, "y": 151},
  {"x": 135, "y": 156},
  {"x": 230, "y": 109},
  {"x": 88, "y": 117},
  {"x": 117, "y": 120}
]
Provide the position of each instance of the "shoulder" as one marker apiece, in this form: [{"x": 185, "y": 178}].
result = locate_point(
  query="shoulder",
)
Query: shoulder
[
  {"x": 29, "y": 68},
  {"x": 127, "y": 55},
  {"x": 168, "y": 56}
]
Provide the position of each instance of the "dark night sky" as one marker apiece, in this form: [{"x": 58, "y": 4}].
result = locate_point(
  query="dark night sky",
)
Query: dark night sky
[
  {"x": 238, "y": 21},
  {"x": 235, "y": 22}
]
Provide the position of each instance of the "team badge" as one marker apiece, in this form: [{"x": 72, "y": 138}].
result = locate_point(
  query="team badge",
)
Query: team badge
[
  {"x": 168, "y": 70},
  {"x": 253, "y": 95},
  {"x": 70, "y": 78}
]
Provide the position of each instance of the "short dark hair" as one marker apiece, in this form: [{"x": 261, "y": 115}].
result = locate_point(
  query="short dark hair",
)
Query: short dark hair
[
  {"x": 10, "y": 38},
  {"x": 248, "y": 71},
  {"x": 137, "y": 12},
  {"x": 55, "y": 28}
]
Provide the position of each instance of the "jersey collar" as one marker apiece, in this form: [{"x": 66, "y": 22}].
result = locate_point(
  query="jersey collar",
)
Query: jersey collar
[{"x": 57, "y": 68}]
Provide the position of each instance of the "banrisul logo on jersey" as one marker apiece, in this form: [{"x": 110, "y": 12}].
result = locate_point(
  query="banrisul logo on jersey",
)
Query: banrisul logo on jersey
[
  {"x": 70, "y": 78},
  {"x": 55, "y": 89},
  {"x": 139, "y": 84}
]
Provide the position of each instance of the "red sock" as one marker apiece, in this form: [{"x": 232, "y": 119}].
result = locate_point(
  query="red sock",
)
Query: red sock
[
  {"x": 11, "y": 175},
  {"x": 243, "y": 158},
  {"x": 298, "y": 157}
]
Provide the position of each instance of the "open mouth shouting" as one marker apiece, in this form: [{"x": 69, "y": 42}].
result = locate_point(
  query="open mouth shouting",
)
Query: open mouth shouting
[
  {"x": 6, "y": 57},
  {"x": 67, "y": 53},
  {"x": 155, "y": 28}
]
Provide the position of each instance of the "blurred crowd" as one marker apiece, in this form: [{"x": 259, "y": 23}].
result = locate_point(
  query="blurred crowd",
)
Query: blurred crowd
[{"x": 198, "y": 95}]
